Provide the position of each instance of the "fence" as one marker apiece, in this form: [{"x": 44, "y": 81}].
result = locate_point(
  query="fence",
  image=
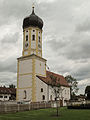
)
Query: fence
[
  {"x": 6, "y": 108},
  {"x": 73, "y": 103}
]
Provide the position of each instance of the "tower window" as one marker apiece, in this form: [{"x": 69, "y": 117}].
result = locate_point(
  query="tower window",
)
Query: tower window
[
  {"x": 33, "y": 30},
  {"x": 39, "y": 38},
  {"x": 33, "y": 37},
  {"x": 26, "y": 37},
  {"x": 41, "y": 89},
  {"x": 43, "y": 97},
  {"x": 5, "y": 96}
]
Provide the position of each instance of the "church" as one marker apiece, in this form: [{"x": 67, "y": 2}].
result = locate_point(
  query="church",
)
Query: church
[{"x": 33, "y": 80}]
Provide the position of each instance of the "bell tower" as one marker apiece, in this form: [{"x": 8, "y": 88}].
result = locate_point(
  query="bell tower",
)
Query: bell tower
[
  {"x": 32, "y": 35},
  {"x": 31, "y": 63}
]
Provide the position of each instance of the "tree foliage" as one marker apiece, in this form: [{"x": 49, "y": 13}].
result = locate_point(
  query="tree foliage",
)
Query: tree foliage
[
  {"x": 73, "y": 83},
  {"x": 87, "y": 92},
  {"x": 12, "y": 86},
  {"x": 56, "y": 89}
]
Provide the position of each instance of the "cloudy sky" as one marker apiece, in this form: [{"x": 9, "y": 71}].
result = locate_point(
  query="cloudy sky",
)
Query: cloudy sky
[{"x": 66, "y": 37}]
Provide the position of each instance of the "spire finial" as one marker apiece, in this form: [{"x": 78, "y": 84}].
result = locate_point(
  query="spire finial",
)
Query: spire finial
[{"x": 33, "y": 8}]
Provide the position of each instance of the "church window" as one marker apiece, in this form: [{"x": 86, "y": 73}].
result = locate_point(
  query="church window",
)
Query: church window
[
  {"x": 51, "y": 97},
  {"x": 1, "y": 96},
  {"x": 41, "y": 89},
  {"x": 5, "y": 96},
  {"x": 65, "y": 91},
  {"x": 25, "y": 94},
  {"x": 33, "y": 37},
  {"x": 33, "y": 30},
  {"x": 39, "y": 38},
  {"x": 43, "y": 97},
  {"x": 26, "y": 37}
]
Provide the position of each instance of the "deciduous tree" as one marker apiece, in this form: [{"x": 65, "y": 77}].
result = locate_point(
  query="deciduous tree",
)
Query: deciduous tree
[{"x": 73, "y": 83}]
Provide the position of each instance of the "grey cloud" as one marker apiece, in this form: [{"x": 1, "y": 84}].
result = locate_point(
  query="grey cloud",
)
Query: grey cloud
[
  {"x": 83, "y": 72},
  {"x": 84, "y": 27},
  {"x": 8, "y": 65},
  {"x": 7, "y": 78},
  {"x": 77, "y": 47},
  {"x": 10, "y": 39},
  {"x": 56, "y": 43},
  {"x": 11, "y": 10}
]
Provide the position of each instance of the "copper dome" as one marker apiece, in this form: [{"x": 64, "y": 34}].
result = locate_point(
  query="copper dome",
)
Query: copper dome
[{"x": 32, "y": 21}]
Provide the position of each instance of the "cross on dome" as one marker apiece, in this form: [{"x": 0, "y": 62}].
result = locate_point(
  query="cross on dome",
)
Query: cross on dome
[{"x": 33, "y": 8}]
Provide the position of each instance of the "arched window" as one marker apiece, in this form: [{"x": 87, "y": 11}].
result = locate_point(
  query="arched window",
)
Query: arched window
[
  {"x": 41, "y": 89},
  {"x": 26, "y": 37},
  {"x": 25, "y": 94},
  {"x": 39, "y": 38},
  {"x": 33, "y": 37},
  {"x": 51, "y": 97},
  {"x": 43, "y": 97}
]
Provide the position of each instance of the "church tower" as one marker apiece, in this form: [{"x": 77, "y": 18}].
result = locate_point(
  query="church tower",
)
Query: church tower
[
  {"x": 31, "y": 63},
  {"x": 32, "y": 35}
]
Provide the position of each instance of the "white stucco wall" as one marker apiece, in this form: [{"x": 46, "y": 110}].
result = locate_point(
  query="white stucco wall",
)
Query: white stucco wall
[
  {"x": 39, "y": 94},
  {"x": 21, "y": 94},
  {"x": 39, "y": 53},
  {"x": 40, "y": 67},
  {"x": 25, "y": 81},
  {"x": 25, "y": 66},
  {"x": 64, "y": 94},
  {"x": 4, "y": 97}
]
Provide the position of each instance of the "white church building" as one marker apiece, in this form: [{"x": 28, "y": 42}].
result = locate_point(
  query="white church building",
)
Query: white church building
[{"x": 33, "y": 80}]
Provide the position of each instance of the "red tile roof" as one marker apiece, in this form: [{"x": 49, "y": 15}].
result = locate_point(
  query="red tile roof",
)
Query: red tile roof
[
  {"x": 59, "y": 79},
  {"x": 4, "y": 90}
]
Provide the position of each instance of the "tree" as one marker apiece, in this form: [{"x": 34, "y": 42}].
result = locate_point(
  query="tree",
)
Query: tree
[
  {"x": 12, "y": 86},
  {"x": 56, "y": 89},
  {"x": 73, "y": 83},
  {"x": 87, "y": 92}
]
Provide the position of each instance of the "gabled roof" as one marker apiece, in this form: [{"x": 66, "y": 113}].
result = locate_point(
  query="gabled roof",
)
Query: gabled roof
[
  {"x": 4, "y": 90},
  {"x": 59, "y": 79}
]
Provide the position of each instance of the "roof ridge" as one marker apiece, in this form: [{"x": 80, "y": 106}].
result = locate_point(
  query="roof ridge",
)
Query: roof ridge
[{"x": 55, "y": 73}]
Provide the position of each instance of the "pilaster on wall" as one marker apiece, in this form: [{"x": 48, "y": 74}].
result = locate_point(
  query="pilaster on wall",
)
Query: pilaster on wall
[
  {"x": 23, "y": 42},
  {"x": 33, "y": 81},
  {"x": 29, "y": 41},
  {"x": 17, "y": 79},
  {"x": 36, "y": 41},
  {"x": 41, "y": 43}
]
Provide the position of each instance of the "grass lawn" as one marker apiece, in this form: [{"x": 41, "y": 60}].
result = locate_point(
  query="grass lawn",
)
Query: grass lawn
[{"x": 48, "y": 114}]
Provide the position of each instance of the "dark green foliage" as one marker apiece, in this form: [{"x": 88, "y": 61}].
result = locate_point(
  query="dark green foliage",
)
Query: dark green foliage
[
  {"x": 12, "y": 86},
  {"x": 81, "y": 106},
  {"x": 87, "y": 92}
]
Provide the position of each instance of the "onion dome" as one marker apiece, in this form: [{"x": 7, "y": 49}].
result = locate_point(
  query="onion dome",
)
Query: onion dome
[{"x": 32, "y": 21}]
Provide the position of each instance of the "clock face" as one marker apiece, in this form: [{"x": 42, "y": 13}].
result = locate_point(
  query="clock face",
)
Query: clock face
[
  {"x": 26, "y": 45},
  {"x": 39, "y": 45}
]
